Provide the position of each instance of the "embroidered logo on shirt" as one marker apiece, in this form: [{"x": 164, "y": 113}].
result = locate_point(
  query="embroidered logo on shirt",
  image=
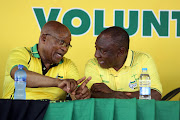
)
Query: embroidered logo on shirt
[
  {"x": 133, "y": 84},
  {"x": 58, "y": 76}
]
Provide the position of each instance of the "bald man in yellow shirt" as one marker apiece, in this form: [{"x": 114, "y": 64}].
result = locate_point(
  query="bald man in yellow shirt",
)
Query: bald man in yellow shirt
[
  {"x": 49, "y": 74},
  {"x": 116, "y": 69}
]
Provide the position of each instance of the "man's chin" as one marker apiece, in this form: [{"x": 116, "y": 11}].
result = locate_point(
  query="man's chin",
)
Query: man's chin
[
  {"x": 57, "y": 61},
  {"x": 103, "y": 66}
]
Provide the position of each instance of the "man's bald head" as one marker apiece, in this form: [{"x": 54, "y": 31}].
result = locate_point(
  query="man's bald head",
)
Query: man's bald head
[
  {"x": 54, "y": 41},
  {"x": 54, "y": 28}
]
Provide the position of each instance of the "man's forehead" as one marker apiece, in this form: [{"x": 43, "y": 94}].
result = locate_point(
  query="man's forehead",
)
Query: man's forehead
[
  {"x": 65, "y": 37},
  {"x": 55, "y": 27},
  {"x": 104, "y": 37},
  {"x": 104, "y": 41}
]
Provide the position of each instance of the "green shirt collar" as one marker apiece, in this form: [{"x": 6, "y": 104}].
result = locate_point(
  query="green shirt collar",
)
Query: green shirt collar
[
  {"x": 35, "y": 53},
  {"x": 129, "y": 58}
]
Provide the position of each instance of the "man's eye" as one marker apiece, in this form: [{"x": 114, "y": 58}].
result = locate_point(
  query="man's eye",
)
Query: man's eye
[
  {"x": 103, "y": 52},
  {"x": 61, "y": 42}
]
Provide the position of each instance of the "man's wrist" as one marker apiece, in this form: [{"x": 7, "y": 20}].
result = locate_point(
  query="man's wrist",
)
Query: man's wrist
[
  {"x": 57, "y": 82},
  {"x": 114, "y": 94}
]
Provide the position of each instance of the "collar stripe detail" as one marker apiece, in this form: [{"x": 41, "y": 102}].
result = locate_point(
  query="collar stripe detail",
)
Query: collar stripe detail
[{"x": 132, "y": 57}]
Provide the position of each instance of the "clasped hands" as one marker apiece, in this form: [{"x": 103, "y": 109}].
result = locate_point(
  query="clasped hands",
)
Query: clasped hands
[{"x": 71, "y": 86}]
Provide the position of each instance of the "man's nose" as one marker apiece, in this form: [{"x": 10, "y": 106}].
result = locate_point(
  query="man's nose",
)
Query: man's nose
[
  {"x": 97, "y": 54},
  {"x": 64, "y": 48}
]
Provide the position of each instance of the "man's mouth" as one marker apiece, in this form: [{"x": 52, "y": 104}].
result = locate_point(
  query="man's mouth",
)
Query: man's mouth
[
  {"x": 100, "y": 61},
  {"x": 59, "y": 55}
]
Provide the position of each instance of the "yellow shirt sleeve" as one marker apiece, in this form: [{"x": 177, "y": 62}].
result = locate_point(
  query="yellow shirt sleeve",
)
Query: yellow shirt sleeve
[
  {"x": 17, "y": 56},
  {"x": 91, "y": 69}
]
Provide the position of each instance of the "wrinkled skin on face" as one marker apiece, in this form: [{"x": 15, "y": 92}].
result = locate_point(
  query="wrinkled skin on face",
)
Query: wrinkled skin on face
[
  {"x": 54, "y": 51},
  {"x": 50, "y": 50}
]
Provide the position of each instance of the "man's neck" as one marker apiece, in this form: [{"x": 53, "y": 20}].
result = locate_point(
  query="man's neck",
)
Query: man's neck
[
  {"x": 121, "y": 63},
  {"x": 46, "y": 64},
  {"x": 117, "y": 68}
]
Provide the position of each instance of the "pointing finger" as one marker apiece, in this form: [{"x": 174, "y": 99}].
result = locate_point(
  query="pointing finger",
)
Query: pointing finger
[
  {"x": 85, "y": 82},
  {"x": 80, "y": 80}
]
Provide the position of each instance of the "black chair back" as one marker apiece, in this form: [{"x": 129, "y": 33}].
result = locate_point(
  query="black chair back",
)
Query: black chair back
[{"x": 171, "y": 94}]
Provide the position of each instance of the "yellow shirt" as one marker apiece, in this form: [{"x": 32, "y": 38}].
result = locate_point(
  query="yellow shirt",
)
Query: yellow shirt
[
  {"x": 30, "y": 58},
  {"x": 126, "y": 78}
]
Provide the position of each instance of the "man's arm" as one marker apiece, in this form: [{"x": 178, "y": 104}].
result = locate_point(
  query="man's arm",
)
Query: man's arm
[
  {"x": 37, "y": 80},
  {"x": 154, "y": 94},
  {"x": 100, "y": 90}
]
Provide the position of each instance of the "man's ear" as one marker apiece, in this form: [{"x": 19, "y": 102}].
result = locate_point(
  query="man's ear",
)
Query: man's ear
[
  {"x": 43, "y": 38},
  {"x": 121, "y": 51}
]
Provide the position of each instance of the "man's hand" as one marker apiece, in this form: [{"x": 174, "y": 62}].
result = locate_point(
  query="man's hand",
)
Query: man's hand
[
  {"x": 68, "y": 85},
  {"x": 82, "y": 92},
  {"x": 101, "y": 90},
  {"x": 101, "y": 87}
]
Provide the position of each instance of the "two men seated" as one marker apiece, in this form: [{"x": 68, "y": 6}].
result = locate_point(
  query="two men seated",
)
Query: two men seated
[{"x": 113, "y": 73}]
